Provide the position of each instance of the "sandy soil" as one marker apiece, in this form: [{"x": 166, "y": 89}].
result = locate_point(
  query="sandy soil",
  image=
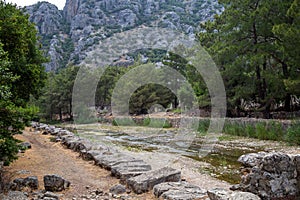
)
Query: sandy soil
[{"x": 46, "y": 157}]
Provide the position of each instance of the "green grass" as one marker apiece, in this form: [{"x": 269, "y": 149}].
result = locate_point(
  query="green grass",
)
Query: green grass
[
  {"x": 148, "y": 122},
  {"x": 203, "y": 125},
  {"x": 156, "y": 123},
  {"x": 272, "y": 130},
  {"x": 293, "y": 134},
  {"x": 123, "y": 122}
]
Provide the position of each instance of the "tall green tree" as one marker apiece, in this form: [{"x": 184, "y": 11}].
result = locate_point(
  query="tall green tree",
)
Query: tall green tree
[
  {"x": 19, "y": 38},
  {"x": 21, "y": 75},
  {"x": 56, "y": 101},
  {"x": 251, "y": 56}
]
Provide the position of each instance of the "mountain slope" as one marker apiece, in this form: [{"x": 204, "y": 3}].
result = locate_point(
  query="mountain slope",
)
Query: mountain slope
[{"x": 69, "y": 34}]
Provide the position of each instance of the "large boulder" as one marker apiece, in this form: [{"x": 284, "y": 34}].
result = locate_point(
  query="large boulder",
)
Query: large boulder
[
  {"x": 14, "y": 195},
  {"x": 127, "y": 170},
  {"x": 145, "y": 182},
  {"x": 55, "y": 183}
]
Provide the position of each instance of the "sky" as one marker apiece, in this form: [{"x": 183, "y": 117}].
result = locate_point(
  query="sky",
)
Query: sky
[{"x": 59, "y": 3}]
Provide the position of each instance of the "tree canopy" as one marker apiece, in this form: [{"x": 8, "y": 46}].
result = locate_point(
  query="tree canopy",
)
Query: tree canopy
[
  {"x": 21, "y": 75},
  {"x": 255, "y": 45}
]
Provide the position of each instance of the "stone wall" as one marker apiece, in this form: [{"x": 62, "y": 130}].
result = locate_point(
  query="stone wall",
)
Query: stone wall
[
  {"x": 270, "y": 175},
  {"x": 175, "y": 121}
]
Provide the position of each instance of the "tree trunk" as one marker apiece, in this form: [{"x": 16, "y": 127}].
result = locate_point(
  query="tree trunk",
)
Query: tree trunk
[
  {"x": 287, "y": 103},
  {"x": 60, "y": 115},
  {"x": 71, "y": 110}
]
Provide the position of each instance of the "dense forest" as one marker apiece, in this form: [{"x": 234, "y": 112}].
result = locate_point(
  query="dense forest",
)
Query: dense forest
[{"x": 255, "y": 45}]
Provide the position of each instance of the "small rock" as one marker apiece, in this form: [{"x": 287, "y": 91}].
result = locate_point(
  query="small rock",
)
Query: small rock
[
  {"x": 52, "y": 195},
  {"x": 14, "y": 195},
  {"x": 55, "y": 183},
  {"x": 118, "y": 189},
  {"x": 25, "y": 145}
]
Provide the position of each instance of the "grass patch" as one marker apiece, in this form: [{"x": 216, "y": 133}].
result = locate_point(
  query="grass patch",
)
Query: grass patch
[
  {"x": 203, "y": 125},
  {"x": 272, "y": 130},
  {"x": 123, "y": 122},
  {"x": 293, "y": 134},
  {"x": 148, "y": 122},
  {"x": 156, "y": 123}
]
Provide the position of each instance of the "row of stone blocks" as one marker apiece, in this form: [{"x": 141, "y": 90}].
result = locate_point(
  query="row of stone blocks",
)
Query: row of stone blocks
[{"x": 136, "y": 174}]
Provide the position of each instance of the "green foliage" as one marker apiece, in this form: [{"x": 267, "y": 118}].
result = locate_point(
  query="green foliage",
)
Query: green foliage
[
  {"x": 56, "y": 99},
  {"x": 21, "y": 75},
  {"x": 19, "y": 40},
  {"x": 13, "y": 119},
  {"x": 255, "y": 44},
  {"x": 293, "y": 134}
]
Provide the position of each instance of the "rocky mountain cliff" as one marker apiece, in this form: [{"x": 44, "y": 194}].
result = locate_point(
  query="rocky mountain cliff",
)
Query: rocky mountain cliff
[{"x": 69, "y": 34}]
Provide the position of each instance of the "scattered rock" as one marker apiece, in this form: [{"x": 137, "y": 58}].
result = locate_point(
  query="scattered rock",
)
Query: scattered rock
[
  {"x": 14, "y": 195},
  {"x": 25, "y": 145},
  {"x": 118, "y": 189},
  {"x": 31, "y": 182},
  {"x": 145, "y": 182},
  {"x": 55, "y": 183},
  {"x": 20, "y": 183},
  {"x": 51, "y": 195}
]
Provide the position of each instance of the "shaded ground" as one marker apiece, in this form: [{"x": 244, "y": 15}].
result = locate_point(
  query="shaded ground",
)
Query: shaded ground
[{"x": 46, "y": 157}]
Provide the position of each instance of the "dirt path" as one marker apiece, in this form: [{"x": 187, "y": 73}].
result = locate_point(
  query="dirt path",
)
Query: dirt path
[{"x": 46, "y": 157}]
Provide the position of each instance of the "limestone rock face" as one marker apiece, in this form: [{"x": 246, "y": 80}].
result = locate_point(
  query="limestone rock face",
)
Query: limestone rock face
[
  {"x": 68, "y": 35},
  {"x": 46, "y": 16}
]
